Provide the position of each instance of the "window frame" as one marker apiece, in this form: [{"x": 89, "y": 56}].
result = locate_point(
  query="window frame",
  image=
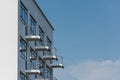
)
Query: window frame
[
  {"x": 41, "y": 32},
  {"x": 33, "y": 54},
  {"x": 42, "y": 35},
  {"x": 48, "y": 72},
  {"x": 33, "y": 24},
  {"x": 23, "y": 13},
  {"x": 48, "y": 42},
  {"x": 22, "y": 76},
  {"x": 23, "y": 45},
  {"x": 41, "y": 65}
]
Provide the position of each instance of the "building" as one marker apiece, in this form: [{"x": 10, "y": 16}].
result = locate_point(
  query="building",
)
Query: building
[
  {"x": 28, "y": 42},
  {"x": 36, "y": 52}
]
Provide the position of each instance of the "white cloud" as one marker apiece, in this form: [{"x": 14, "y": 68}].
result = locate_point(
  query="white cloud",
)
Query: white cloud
[{"x": 91, "y": 70}]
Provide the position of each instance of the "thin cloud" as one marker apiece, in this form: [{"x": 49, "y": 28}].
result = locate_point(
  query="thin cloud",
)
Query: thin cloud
[{"x": 92, "y": 70}]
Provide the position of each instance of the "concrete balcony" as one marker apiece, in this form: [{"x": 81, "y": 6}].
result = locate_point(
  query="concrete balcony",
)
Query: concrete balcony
[
  {"x": 42, "y": 48},
  {"x": 31, "y": 34},
  {"x": 52, "y": 57},
  {"x": 32, "y": 38},
  {"x": 32, "y": 71},
  {"x": 56, "y": 65}
]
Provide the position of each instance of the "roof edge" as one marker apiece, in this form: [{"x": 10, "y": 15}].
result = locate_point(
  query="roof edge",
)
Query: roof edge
[{"x": 43, "y": 15}]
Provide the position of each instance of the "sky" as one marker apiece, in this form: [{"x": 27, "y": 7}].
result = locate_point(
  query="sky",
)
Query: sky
[{"x": 87, "y": 35}]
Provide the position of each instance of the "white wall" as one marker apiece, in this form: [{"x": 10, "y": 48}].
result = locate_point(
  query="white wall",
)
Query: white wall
[{"x": 8, "y": 39}]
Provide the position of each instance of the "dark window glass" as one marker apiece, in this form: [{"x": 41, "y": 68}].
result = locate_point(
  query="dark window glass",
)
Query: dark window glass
[
  {"x": 32, "y": 65},
  {"x": 23, "y": 47},
  {"x": 48, "y": 72},
  {"x": 22, "y": 76},
  {"x": 41, "y": 66},
  {"x": 49, "y": 43},
  {"x": 23, "y": 14},
  {"x": 32, "y": 28},
  {"x": 41, "y": 34},
  {"x": 33, "y": 54}
]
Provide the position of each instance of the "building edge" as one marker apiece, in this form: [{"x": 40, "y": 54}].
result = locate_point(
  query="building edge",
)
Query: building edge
[{"x": 43, "y": 15}]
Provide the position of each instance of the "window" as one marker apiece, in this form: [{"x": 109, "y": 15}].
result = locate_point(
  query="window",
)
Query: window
[
  {"x": 41, "y": 66},
  {"x": 49, "y": 43},
  {"x": 22, "y": 76},
  {"x": 41, "y": 34},
  {"x": 23, "y": 14},
  {"x": 23, "y": 47},
  {"x": 33, "y": 54},
  {"x": 32, "y": 65},
  {"x": 41, "y": 63},
  {"x": 48, "y": 72},
  {"x": 32, "y": 27}
]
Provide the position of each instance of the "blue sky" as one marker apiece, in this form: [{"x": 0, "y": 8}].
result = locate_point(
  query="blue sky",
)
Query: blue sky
[{"x": 87, "y": 32}]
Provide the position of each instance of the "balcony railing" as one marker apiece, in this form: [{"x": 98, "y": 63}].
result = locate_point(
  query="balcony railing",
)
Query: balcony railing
[
  {"x": 42, "y": 48},
  {"x": 58, "y": 63},
  {"x": 51, "y": 55},
  {"x": 31, "y": 34},
  {"x": 32, "y": 68},
  {"x": 30, "y": 30}
]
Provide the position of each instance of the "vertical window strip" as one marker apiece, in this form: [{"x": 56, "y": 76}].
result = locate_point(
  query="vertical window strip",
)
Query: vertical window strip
[
  {"x": 41, "y": 34},
  {"x": 33, "y": 54},
  {"x": 49, "y": 43},
  {"x": 23, "y": 14},
  {"x": 32, "y": 26},
  {"x": 47, "y": 72},
  {"x": 23, "y": 47},
  {"x": 22, "y": 76}
]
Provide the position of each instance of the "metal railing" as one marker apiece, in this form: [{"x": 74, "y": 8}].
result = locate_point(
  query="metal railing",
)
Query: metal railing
[
  {"x": 32, "y": 65},
  {"x": 52, "y": 51},
  {"x": 30, "y": 30},
  {"x": 59, "y": 60}
]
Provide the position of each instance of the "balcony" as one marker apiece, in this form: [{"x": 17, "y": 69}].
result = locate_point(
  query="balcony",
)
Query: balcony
[
  {"x": 42, "y": 48},
  {"x": 32, "y": 68},
  {"x": 56, "y": 65},
  {"x": 31, "y": 34},
  {"x": 50, "y": 57},
  {"x": 32, "y": 38},
  {"x": 32, "y": 71}
]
